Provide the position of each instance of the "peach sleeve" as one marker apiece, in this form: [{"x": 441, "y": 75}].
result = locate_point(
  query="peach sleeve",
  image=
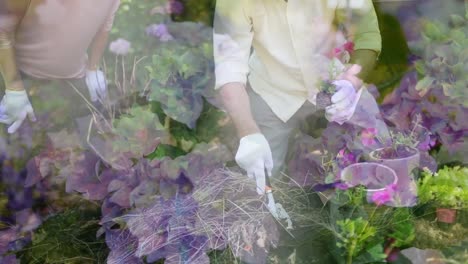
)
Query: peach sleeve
[
  {"x": 110, "y": 18},
  {"x": 11, "y": 13}
]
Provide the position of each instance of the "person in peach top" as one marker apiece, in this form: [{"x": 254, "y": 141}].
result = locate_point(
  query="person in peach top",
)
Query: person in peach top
[{"x": 49, "y": 40}]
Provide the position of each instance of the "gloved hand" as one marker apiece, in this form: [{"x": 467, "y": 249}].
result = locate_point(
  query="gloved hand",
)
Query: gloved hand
[
  {"x": 344, "y": 102},
  {"x": 254, "y": 156},
  {"x": 97, "y": 85},
  {"x": 14, "y": 108},
  {"x": 351, "y": 75}
]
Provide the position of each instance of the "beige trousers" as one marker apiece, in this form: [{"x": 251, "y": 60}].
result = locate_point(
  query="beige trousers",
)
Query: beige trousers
[{"x": 275, "y": 130}]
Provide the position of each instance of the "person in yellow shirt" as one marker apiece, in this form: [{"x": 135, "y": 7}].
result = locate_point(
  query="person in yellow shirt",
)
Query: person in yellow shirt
[
  {"x": 268, "y": 60},
  {"x": 49, "y": 40}
]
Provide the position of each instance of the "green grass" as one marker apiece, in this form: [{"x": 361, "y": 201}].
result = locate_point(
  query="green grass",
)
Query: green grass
[{"x": 68, "y": 238}]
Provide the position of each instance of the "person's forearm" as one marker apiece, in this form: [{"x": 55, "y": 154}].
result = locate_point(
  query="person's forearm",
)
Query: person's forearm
[
  {"x": 12, "y": 11},
  {"x": 97, "y": 50},
  {"x": 366, "y": 58},
  {"x": 237, "y": 103},
  {"x": 8, "y": 66}
]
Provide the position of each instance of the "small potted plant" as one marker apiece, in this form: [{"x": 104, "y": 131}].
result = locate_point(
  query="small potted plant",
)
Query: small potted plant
[
  {"x": 403, "y": 156},
  {"x": 447, "y": 189},
  {"x": 327, "y": 89},
  {"x": 402, "y": 159},
  {"x": 333, "y": 66}
]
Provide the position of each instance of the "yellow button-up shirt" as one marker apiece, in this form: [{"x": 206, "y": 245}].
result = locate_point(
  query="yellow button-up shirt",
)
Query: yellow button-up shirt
[{"x": 278, "y": 46}]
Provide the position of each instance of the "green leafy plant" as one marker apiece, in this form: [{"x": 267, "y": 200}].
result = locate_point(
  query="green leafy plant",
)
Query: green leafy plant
[
  {"x": 444, "y": 58},
  {"x": 181, "y": 73},
  {"x": 402, "y": 231},
  {"x": 362, "y": 229},
  {"x": 448, "y": 187},
  {"x": 353, "y": 196},
  {"x": 357, "y": 235},
  {"x": 139, "y": 131}
]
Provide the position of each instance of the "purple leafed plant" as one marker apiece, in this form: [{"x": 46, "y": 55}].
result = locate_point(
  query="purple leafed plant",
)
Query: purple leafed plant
[
  {"x": 86, "y": 177},
  {"x": 444, "y": 119},
  {"x": 9, "y": 259},
  {"x": 49, "y": 163},
  {"x": 183, "y": 224},
  {"x": 119, "y": 141},
  {"x": 123, "y": 187},
  {"x": 19, "y": 144},
  {"x": 122, "y": 245},
  {"x": 7, "y": 236},
  {"x": 168, "y": 224},
  {"x": 305, "y": 165},
  {"x": 205, "y": 159}
]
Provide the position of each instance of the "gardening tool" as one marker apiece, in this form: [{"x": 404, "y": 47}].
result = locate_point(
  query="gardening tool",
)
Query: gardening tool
[{"x": 276, "y": 209}]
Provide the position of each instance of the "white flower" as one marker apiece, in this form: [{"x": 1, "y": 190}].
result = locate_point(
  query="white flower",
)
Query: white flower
[{"x": 120, "y": 46}]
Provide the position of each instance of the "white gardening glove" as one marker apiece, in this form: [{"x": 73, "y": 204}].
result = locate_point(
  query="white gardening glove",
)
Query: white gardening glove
[
  {"x": 344, "y": 102},
  {"x": 14, "y": 108},
  {"x": 254, "y": 156},
  {"x": 97, "y": 85}
]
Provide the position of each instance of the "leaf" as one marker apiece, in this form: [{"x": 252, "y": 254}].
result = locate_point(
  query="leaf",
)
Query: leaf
[
  {"x": 28, "y": 220},
  {"x": 420, "y": 67},
  {"x": 6, "y": 237},
  {"x": 458, "y": 37},
  {"x": 424, "y": 85},
  {"x": 433, "y": 31},
  {"x": 181, "y": 73},
  {"x": 443, "y": 51},
  {"x": 179, "y": 102},
  {"x": 458, "y": 70},
  {"x": 457, "y": 21},
  {"x": 306, "y": 166},
  {"x": 163, "y": 68},
  {"x": 120, "y": 193},
  {"x": 143, "y": 195},
  {"x": 64, "y": 139},
  {"x": 189, "y": 64},
  {"x": 402, "y": 228},
  {"x": 447, "y": 87},
  {"x": 165, "y": 224},
  {"x": 85, "y": 178},
  {"x": 139, "y": 132},
  {"x": 123, "y": 247},
  {"x": 377, "y": 253}
]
